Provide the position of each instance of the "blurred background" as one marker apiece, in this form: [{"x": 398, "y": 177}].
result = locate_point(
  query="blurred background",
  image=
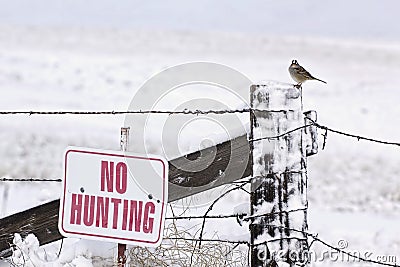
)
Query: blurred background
[{"x": 355, "y": 19}]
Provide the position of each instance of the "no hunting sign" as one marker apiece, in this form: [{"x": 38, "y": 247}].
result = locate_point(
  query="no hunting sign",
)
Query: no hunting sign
[{"x": 113, "y": 196}]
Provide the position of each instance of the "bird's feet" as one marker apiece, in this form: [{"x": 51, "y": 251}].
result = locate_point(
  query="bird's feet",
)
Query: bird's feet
[{"x": 298, "y": 86}]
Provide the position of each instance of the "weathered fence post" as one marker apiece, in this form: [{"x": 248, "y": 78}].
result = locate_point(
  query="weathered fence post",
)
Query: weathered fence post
[
  {"x": 279, "y": 183},
  {"x": 121, "y": 259}
]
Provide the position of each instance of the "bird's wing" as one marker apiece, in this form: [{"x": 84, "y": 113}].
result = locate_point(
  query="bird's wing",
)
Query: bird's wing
[{"x": 302, "y": 71}]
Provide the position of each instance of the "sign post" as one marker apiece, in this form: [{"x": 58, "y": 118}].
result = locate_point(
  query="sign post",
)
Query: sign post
[
  {"x": 124, "y": 143},
  {"x": 113, "y": 196}
]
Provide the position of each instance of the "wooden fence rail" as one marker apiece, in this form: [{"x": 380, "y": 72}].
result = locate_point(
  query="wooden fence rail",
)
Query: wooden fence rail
[{"x": 42, "y": 220}]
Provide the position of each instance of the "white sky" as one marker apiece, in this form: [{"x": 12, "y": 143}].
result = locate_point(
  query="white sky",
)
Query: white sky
[{"x": 341, "y": 18}]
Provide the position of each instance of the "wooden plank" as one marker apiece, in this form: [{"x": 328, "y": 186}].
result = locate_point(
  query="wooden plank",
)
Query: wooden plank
[
  {"x": 209, "y": 168},
  {"x": 188, "y": 175},
  {"x": 41, "y": 220}
]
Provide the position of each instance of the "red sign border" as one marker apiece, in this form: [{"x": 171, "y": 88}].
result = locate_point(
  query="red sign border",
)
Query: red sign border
[{"x": 121, "y": 156}]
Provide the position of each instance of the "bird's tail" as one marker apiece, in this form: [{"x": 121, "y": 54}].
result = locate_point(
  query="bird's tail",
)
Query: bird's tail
[{"x": 320, "y": 80}]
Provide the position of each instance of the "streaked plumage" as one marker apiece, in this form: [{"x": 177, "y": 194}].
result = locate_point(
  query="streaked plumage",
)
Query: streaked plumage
[{"x": 299, "y": 74}]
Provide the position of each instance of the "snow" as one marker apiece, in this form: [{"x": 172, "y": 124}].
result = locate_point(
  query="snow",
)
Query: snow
[
  {"x": 71, "y": 252},
  {"x": 243, "y": 208},
  {"x": 354, "y": 190},
  {"x": 282, "y": 96}
]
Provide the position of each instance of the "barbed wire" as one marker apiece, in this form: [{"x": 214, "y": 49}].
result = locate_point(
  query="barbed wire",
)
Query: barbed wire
[
  {"x": 242, "y": 216},
  {"x": 280, "y": 135},
  {"x": 317, "y": 239},
  {"x": 313, "y": 123},
  {"x": 210, "y": 240},
  {"x": 30, "y": 180},
  {"x": 202, "y": 112},
  {"x": 254, "y": 216},
  {"x": 237, "y": 187},
  {"x": 326, "y": 244},
  {"x": 358, "y": 137},
  {"x": 310, "y": 235},
  {"x": 313, "y": 236},
  {"x": 126, "y": 112},
  {"x": 246, "y": 217},
  {"x": 239, "y": 215},
  {"x": 326, "y": 129}
]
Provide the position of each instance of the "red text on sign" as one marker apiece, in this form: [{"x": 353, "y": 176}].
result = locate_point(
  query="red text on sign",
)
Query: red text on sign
[
  {"x": 109, "y": 175},
  {"x": 106, "y": 212}
]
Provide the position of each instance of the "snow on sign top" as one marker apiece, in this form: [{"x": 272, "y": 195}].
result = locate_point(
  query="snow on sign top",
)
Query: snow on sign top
[{"x": 113, "y": 196}]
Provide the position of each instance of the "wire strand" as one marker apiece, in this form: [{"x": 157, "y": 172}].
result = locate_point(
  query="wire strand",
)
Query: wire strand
[
  {"x": 201, "y": 112},
  {"x": 29, "y": 180},
  {"x": 125, "y": 112},
  {"x": 358, "y": 137}
]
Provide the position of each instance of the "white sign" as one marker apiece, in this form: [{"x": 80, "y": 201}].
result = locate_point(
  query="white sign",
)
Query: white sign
[{"x": 113, "y": 196}]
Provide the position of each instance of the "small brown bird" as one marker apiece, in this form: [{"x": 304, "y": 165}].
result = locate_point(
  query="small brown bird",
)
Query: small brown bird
[{"x": 299, "y": 74}]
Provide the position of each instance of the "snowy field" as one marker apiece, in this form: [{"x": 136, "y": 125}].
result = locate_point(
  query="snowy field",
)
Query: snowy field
[{"x": 354, "y": 187}]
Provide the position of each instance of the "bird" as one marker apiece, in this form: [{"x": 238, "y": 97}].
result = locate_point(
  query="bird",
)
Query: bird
[{"x": 299, "y": 74}]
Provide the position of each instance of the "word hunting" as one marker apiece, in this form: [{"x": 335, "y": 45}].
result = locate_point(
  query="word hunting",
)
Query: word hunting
[{"x": 112, "y": 212}]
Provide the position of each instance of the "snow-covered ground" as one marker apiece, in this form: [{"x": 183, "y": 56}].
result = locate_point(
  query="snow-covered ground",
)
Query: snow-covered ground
[{"x": 354, "y": 190}]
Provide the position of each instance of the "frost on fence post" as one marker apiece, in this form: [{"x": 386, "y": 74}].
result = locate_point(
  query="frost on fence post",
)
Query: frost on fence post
[{"x": 279, "y": 185}]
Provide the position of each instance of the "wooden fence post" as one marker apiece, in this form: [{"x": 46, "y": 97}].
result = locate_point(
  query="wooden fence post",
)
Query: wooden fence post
[
  {"x": 279, "y": 183},
  {"x": 121, "y": 259}
]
